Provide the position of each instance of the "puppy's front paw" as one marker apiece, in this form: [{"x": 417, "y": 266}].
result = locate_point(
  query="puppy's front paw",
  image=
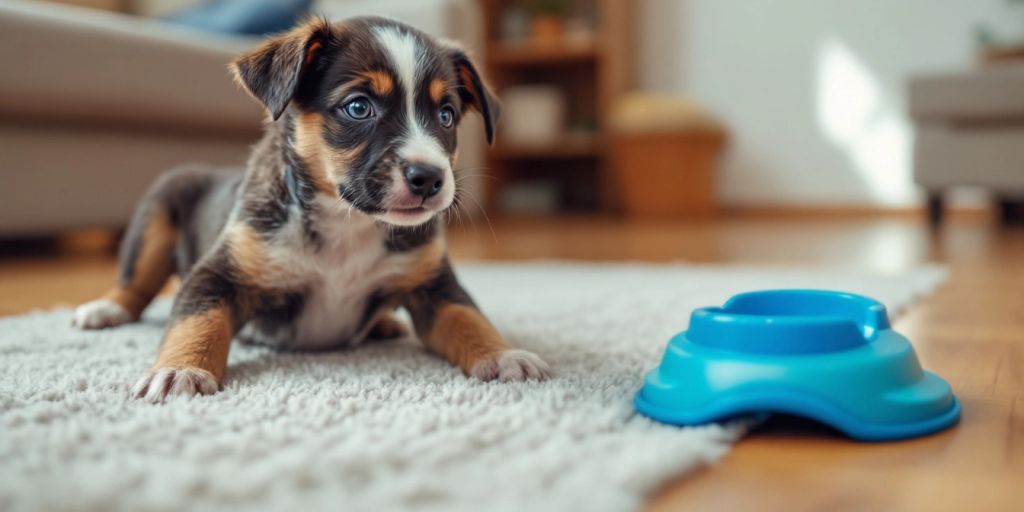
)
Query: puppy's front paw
[
  {"x": 158, "y": 384},
  {"x": 512, "y": 365},
  {"x": 99, "y": 314}
]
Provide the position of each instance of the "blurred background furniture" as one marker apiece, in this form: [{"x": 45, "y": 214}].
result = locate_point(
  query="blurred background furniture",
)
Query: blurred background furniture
[
  {"x": 970, "y": 131},
  {"x": 824, "y": 126},
  {"x": 583, "y": 48}
]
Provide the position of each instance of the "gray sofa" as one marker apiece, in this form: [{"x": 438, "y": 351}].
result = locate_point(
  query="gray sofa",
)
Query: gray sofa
[
  {"x": 970, "y": 131},
  {"x": 94, "y": 105}
]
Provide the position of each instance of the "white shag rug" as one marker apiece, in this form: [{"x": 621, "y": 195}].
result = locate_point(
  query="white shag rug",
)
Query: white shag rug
[{"x": 385, "y": 426}]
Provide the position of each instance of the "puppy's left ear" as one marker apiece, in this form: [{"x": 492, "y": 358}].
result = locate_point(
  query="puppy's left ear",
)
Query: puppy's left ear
[
  {"x": 273, "y": 71},
  {"x": 474, "y": 93}
]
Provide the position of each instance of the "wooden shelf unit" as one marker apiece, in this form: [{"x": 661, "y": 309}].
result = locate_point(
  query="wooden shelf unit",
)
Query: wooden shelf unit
[
  {"x": 568, "y": 146},
  {"x": 592, "y": 72},
  {"x": 527, "y": 53}
]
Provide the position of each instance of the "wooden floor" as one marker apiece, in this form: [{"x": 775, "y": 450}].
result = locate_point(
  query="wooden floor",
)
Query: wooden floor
[{"x": 971, "y": 331}]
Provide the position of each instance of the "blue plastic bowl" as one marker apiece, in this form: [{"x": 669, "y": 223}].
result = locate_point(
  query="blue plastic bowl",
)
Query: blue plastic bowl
[{"x": 825, "y": 355}]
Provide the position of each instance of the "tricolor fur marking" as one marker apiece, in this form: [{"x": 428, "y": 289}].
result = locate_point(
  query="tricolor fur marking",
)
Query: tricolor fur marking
[{"x": 337, "y": 221}]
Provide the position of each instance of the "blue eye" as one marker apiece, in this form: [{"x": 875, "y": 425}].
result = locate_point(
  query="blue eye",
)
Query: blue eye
[
  {"x": 446, "y": 116},
  {"x": 358, "y": 108}
]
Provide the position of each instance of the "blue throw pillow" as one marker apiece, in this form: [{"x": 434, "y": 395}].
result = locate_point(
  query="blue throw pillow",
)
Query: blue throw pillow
[{"x": 243, "y": 17}]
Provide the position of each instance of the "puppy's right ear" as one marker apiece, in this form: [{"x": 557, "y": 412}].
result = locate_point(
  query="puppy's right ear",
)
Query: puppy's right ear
[
  {"x": 272, "y": 71},
  {"x": 474, "y": 92}
]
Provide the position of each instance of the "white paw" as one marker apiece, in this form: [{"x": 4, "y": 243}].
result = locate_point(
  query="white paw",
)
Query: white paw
[
  {"x": 512, "y": 365},
  {"x": 157, "y": 385},
  {"x": 99, "y": 314}
]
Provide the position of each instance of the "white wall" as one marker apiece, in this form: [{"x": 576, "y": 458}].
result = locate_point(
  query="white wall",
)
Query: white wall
[{"x": 812, "y": 90}]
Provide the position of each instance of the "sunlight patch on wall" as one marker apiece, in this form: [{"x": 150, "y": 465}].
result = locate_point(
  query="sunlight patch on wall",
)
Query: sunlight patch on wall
[{"x": 856, "y": 116}]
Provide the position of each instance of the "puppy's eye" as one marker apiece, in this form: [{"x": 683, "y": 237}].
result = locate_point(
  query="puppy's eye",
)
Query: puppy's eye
[
  {"x": 446, "y": 116},
  {"x": 358, "y": 108}
]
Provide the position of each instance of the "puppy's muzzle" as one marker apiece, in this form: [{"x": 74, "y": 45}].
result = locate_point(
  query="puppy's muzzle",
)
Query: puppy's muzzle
[{"x": 424, "y": 180}]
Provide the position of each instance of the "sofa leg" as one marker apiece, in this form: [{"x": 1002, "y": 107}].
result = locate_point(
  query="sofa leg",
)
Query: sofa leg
[
  {"x": 935, "y": 205},
  {"x": 1009, "y": 211}
]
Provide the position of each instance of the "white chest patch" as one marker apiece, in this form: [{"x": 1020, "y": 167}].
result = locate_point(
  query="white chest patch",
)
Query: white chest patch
[{"x": 337, "y": 281}]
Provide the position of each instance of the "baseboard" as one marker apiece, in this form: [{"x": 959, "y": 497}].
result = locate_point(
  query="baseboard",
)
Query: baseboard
[{"x": 832, "y": 212}]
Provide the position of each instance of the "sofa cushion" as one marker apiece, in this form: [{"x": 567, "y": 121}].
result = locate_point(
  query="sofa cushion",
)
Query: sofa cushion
[{"x": 67, "y": 63}]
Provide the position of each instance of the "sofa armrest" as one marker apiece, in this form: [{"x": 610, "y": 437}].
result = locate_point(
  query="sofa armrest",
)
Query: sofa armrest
[{"x": 990, "y": 94}]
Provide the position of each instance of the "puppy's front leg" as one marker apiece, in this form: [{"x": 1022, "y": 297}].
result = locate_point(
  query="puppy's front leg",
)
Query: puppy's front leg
[
  {"x": 451, "y": 326},
  {"x": 193, "y": 355}
]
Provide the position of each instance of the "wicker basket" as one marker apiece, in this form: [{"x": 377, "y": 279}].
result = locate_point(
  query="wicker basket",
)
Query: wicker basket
[{"x": 665, "y": 151}]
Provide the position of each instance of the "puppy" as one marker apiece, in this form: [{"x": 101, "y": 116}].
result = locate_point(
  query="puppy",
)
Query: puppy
[{"x": 336, "y": 222}]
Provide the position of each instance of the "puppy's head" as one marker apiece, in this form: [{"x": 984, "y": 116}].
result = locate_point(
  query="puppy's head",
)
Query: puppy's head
[{"x": 371, "y": 107}]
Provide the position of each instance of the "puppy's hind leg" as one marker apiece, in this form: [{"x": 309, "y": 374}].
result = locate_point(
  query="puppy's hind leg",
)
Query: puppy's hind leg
[
  {"x": 146, "y": 261},
  {"x": 387, "y": 326}
]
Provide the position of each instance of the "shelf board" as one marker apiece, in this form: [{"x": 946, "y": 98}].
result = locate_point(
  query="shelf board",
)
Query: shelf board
[
  {"x": 569, "y": 146},
  {"x": 1003, "y": 54},
  {"x": 527, "y": 53}
]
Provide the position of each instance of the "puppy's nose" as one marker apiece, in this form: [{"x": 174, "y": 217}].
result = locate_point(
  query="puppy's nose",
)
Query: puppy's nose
[{"x": 424, "y": 180}]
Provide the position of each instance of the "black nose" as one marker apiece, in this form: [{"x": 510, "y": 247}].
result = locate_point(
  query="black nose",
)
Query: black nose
[{"x": 424, "y": 180}]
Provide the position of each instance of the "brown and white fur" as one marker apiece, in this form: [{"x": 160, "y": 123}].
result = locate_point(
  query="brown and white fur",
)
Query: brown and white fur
[{"x": 336, "y": 222}]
